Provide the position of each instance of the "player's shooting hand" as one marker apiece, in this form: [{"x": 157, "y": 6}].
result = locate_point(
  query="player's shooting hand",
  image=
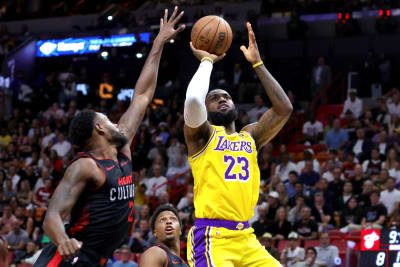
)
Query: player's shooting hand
[
  {"x": 199, "y": 54},
  {"x": 167, "y": 26},
  {"x": 251, "y": 52},
  {"x": 69, "y": 248}
]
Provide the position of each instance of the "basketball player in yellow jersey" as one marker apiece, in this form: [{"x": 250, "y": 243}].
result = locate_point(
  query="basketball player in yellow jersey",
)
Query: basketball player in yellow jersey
[{"x": 224, "y": 165}]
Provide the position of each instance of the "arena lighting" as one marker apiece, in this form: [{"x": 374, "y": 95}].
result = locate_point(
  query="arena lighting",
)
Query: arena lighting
[
  {"x": 172, "y": 41},
  {"x": 110, "y": 18},
  {"x": 139, "y": 55},
  {"x": 104, "y": 54},
  {"x": 86, "y": 45},
  {"x": 340, "y": 15},
  {"x": 388, "y": 13},
  {"x": 381, "y": 12}
]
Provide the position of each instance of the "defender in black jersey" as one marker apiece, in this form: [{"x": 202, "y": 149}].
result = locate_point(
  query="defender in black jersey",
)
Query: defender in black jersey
[
  {"x": 97, "y": 188},
  {"x": 167, "y": 228}
]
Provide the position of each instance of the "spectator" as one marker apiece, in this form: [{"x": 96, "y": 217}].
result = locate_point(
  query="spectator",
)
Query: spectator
[
  {"x": 350, "y": 218},
  {"x": 290, "y": 184},
  {"x": 292, "y": 253},
  {"x": 390, "y": 197},
  {"x": 309, "y": 177},
  {"x": 142, "y": 238},
  {"x": 32, "y": 246},
  {"x": 391, "y": 161},
  {"x": 25, "y": 193},
  {"x": 49, "y": 137},
  {"x": 375, "y": 214},
  {"x": 179, "y": 170},
  {"x": 312, "y": 130},
  {"x": 311, "y": 256},
  {"x": 259, "y": 109},
  {"x": 352, "y": 104},
  {"x": 125, "y": 254},
  {"x": 326, "y": 253},
  {"x": 337, "y": 137},
  {"x": 156, "y": 184},
  {"x": 361, "y": 146},
  {"x": 14, "y": 176},
  {"x": 295, "y": 213},
  {"x": 306, "y": 227},
  {"x": 285, "y": 166},
  {"x": 322, "y": 213},
  {"x": 62, "y": 147},
  {"x": 394, "y": 106},
  {"x": 17, "y": 239},
  {"x": 381, "y": 142},
  {"x": 321, "y": 76},
  {"x": 186, "y": 205},
  {"x": 372, "y": 165},
  {"x": 307, "y": 155},
  {"x": 266, "y": 240},
  {"x": 364, "y": 197},
  {"x": 5, "y": 138},
  {"x": 8, "y": 219},
  {"x": 262, "y": 225},
  {"x": 43, "y": 195},
  {"x": 345, "y": 195},
  {"x": 282, "y": 226},
  {"x": 336, "y": 185},
  {"x": 272, "y": 205}
]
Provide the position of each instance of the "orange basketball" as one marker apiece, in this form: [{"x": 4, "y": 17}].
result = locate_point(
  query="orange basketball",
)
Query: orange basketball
[{"x": 212, "y": 34}]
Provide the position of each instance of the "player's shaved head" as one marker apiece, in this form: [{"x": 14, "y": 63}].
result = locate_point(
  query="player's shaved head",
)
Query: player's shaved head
[{"x": 217, "y": 91}]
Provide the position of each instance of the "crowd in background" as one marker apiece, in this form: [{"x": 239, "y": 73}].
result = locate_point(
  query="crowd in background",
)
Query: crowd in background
[{"x": 344, "y": 176}]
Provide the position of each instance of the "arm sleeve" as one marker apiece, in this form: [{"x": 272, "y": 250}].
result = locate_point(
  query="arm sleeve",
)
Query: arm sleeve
[{"x": 195, "y": 112}]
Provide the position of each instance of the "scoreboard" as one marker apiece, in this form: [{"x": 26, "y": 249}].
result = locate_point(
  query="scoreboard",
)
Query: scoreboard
[{"x": 380, "y": 248}]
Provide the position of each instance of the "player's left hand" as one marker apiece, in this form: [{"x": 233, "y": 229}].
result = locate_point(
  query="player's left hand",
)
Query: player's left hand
[
  {"x": 251, "y": 53},
  {"x": 167, "y": 26}
]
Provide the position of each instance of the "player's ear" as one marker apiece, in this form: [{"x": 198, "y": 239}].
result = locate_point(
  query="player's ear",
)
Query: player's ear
[{"x": 99, "y": 127}]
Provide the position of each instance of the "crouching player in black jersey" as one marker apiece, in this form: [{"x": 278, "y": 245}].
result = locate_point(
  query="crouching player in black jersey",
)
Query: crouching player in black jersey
[
  {"x": 167, "y": 228},
  {"x": 97, "y": 188}
]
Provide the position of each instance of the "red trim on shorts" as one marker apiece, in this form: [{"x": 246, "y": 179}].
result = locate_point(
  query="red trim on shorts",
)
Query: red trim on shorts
[{"x": 55, "y": 261}]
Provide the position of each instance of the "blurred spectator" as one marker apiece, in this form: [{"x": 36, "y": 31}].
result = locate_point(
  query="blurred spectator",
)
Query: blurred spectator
[
  {"x": 307, "y": 228},
  {"x": 266, "y": 240},
  {"x": 62, "y": 147},
  {"x": 372, "y": 165},
  {"x": 43, "y": 195},
  {"x": 272, "y": 205},
  {"x": 8, "y": 219},
  {"x": 310, "y": 259},
  {"x": 8, "y": 191},
  {"x": 307, "y": 156},
  {"x": 125, "y": 254},
  {"x": 309, "y": 177},
  {"x": 292, "y": 253},
  {"x": 312, "y": 130},
  {"x": 390, "y": 197},
  {"x": 350, "y": 218},
  {"x": 156, "y": 184},
  {"x": 326, "y": 253},
  {"x": 31, "y": 247},
  {"x": 361, "y": 146},
  {"x": 25, "y": 193},
  {"x": 17, "y": 239},
  {"x": 290, "y": 184},
  {"x": 337, "y": 137},
  {"x": 285, "y": 166},
  {"x": 256, "y": 112},
  {"x": 352, "y": 104},
  {"x": 282, "y": 226},
  {"x": 295, "y": 213},
  {"x": 5, "y": 138},
  {"x": 262, "y": 225},
  {"x": 142, "y": 238},
  {"x": 179, "y": 170},
  {"x": 322, "y": 213},
  {"x": 320, "y": 78},
  {"x": 375, "y": 214}
]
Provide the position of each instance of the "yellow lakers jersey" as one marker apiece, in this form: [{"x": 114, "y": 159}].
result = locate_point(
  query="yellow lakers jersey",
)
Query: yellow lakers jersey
[{"x": 226, "y": 176}]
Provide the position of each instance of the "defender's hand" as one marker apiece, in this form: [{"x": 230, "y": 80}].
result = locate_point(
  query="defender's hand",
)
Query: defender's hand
[
  {"x": 69, "y": 248},
  {"x": 199, "y": 54},
  {"x": 251, "y": 53},
  {"x": 167, "y": 27}
]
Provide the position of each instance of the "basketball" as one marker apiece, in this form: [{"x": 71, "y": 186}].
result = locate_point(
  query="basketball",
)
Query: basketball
[{"x": 212, "y": 34}]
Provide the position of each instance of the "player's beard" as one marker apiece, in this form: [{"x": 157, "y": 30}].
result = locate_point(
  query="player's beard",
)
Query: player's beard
[
  {"x": 118, "y": 138},
  {"x": 223, "y": 118}
]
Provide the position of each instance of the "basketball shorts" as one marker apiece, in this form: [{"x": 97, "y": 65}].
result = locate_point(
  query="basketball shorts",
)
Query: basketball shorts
[
  {"x": 51, "y": 258},
  {"x": 221, "y": 243}
]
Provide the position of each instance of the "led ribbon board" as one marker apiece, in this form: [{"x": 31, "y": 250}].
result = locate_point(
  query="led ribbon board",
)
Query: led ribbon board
[{"x": 85, "y": 45}]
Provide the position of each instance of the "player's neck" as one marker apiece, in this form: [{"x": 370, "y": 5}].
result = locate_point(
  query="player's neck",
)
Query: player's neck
[
  {"x": 174, "y": 247},
  {"x": 104, "y": 151},
  {"x": 230, "y": 128}
]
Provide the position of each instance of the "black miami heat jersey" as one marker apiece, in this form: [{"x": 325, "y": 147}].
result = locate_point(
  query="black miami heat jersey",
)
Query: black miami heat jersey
[
  {"x": 103, "y": 216},
  {"x": 173, "y": 260}
]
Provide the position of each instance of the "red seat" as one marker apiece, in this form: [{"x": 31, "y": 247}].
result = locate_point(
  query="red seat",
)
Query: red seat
[
  {"x": 24, "y": 265},
  {"x": 340, "y": 244},
  {"x": 10, "y": 256},
  {"x": 281, "y": 245},
  {"x": 319, "y": 147},
  {"x": 137, "y": 257},
  {"x": 336, "y": 235},
  {"x": 311, "y": 243}
]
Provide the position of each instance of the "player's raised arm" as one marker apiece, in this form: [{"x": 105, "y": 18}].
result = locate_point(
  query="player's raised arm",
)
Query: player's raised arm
[
  {"x": 146, "y": 84},
  {"x": 197, "y": 129},
  {"x": 76, "y": 177},
  {"x": 272, "y": 121}
]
